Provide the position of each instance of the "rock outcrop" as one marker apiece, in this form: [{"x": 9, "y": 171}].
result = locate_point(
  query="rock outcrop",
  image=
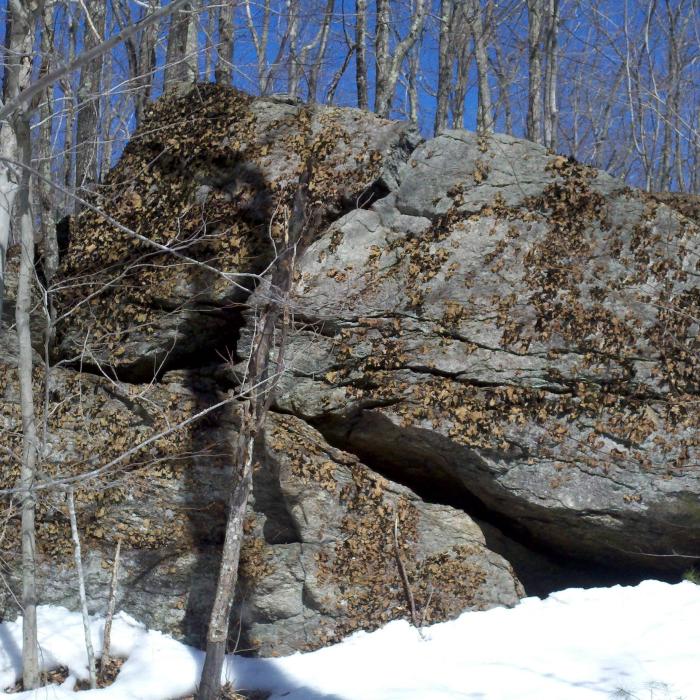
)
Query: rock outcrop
[
  {"x": 204, "y": 180},
  {"x": 520, "y": 329},
  {"x": 482, "y": 330}
]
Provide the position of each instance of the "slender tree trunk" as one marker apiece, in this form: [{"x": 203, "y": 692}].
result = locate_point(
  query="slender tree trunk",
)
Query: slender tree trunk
[
  {"x": 180, "y": 65},
  {"x": 361, "y": 54},
  {"x": 19, "y": 75},
  {"x": 81, "y": 586},
  {"x": 322, "y": 41},
  {"x": 258, "y": 390},
  {"x": 69, "y": 131},
  {"x": 534, "y": 97},
  {"x": 476, "y": 25},
  {"x": 464, "y": 58},
  {"x": 445, "y": 65},
  {"x": 146, "y": 65},
  {"x": 224, "y": 64},
  {"x": 294, "y": 66},
  {"x": 30, "y": 648},
  {"x": 111, "y": 605},
  {"x": 551, "y": 117},
  {"x": 389, "y": 60},
  {"x": 89, "y": 91}
]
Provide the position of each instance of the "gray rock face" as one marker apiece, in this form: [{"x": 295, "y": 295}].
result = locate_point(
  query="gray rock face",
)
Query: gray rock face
[
  {"x": 319, "y": 560},
  {"x": 519, "y": 328},
  {"x": 502, "y": 330},
  {"x": 208, "y": 175}
]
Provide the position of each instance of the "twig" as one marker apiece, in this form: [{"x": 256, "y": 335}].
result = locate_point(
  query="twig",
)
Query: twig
[
  {"x": 106, "y": 637},
  {"x": 81, "y": 586},
  {"x": 404, "y": 576}
]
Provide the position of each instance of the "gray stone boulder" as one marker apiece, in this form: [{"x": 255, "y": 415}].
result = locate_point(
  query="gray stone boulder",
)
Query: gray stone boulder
[
  {"x": 208, "y": 176},
  {"x": 519, "y": 329},
  {"x": 319, "y": 559}
]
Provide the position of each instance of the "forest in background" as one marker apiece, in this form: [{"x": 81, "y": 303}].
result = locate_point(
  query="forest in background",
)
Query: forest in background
[{"x": 613, "y": 83}]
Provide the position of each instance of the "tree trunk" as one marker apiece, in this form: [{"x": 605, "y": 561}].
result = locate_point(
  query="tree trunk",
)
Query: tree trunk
[
  {"x": 361, "y": 54},
  {"x": 484, "y": 120},
  {"x": 89, "y": 90},
  {"x": 30, "y": 649},
  {"x": 322, "y": 41},
  {"x": 258, "y": 390},
  {"x": 224, "y": 63},
  {"x": 389, "y": 61},
  {"x": 146, "y": 64},
  {"x": 445, "y": 64},
  {"x": 180, "y": 65},
  {"x": 534, "y": 96},
  {"x": 550, "y": 102},
  {"x": 78, "y": 557}
]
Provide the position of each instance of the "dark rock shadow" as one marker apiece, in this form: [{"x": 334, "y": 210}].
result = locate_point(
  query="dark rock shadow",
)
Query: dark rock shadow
[{"x": 212, "y": 437}]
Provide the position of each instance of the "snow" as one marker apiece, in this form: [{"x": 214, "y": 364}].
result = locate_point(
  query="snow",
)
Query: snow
[{"x": 637, "y": 642}]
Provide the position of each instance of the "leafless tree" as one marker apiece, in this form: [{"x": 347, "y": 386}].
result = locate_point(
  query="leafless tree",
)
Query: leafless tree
[
  {"x": 388, "y": 58},
  {"x": 260, "y": 380}
]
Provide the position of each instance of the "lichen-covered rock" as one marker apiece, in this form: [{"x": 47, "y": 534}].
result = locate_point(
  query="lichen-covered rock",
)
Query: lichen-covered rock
[
  {"x": 336, "y": 568},
  {"x": 208, "y": 175},
  {"x": 524, "y": 329},
  {"x": 318, "y": 560}
]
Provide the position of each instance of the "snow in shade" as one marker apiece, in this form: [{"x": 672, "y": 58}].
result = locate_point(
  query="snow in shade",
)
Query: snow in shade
[{"x": 625, "y": 642}]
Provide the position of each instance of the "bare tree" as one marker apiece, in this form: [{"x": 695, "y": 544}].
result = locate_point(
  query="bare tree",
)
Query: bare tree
[
  {"x": 261, "y": 377},
  {"x": 476, "y": 26},
  {"x": 15, "y": 143},
  {"x": 225, "y": 22},
  {"x": 181, "y": 56},
  {"x": 445, "y": 63},
  {"x": 534, "y": 94},
  {"x": 361, "y": 54},
  {"x": 89, "y": 90},
  {"x": 550, "y": 100},
  {"x": 388, "y": 59}
]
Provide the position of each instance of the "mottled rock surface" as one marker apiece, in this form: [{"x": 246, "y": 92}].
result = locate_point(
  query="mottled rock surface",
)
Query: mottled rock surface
[
  {"x": 481, "y": 329},
  {"x": 207, "y": 175},
  {"x": 319, "y": 560},
  {"x": 521, "y": 328}
]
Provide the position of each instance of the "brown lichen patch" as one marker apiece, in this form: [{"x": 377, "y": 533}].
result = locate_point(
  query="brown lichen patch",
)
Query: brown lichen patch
[
  {"x": 204, "y": 177},
  {"x": 309, "y": 461},
  {"x": 364, "y": 568},
  {"x": 255, "y": 562},
  {"x": 149, "y": 499}
]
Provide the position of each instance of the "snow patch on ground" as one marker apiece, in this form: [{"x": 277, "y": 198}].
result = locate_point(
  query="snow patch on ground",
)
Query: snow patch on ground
[{"x": 593, "y": 644}]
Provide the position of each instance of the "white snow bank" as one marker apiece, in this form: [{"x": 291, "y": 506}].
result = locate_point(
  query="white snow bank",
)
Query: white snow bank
[{"x": 575, "y": 645}]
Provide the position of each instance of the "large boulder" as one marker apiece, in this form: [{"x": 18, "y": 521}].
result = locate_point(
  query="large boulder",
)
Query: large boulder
[
  {"x": 515, "y": 332},
  {"x": 320, "y": 557},
  {"x": 196, "y": 206}
]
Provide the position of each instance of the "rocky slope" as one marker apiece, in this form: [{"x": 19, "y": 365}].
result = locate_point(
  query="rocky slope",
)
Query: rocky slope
[{"x": 482, "y": 330}]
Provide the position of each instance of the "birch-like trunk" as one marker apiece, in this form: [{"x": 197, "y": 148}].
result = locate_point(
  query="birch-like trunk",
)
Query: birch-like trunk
[
  {"x": 146, "y": 64},
  {"x": 15, "y": 143},
  {"x": 78, "y": 557},
  {"x": 534, "y": 93},
  {"x": 260, "y": 42},
  {"x": 445, "y": 65},
  {"x": 223, "y": 72},
  {"x": 30, "y": 649},
  {"x": 180, "y": 57},
  {"x": 361, "y": 54},
  {"x": 89, "y": 92},
  {"x": 551, "y": 116},
  {"x": 44, "y": 154},
  {"x": 389, "y": 60},
  {"x": 484, "y": 122}
]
